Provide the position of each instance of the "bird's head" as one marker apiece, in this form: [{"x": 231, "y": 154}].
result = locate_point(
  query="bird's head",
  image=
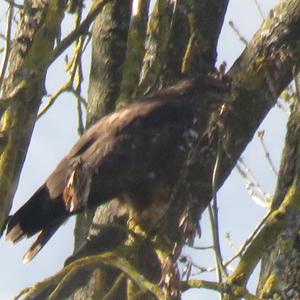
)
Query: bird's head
[{"x": 210, "y": 92}]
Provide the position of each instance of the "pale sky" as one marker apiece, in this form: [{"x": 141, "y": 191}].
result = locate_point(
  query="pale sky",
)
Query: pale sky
[{"x": 56, "y": 132}]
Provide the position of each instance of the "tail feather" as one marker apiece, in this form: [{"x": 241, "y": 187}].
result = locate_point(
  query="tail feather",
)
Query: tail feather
[
  {"x": 15, "y": 234},
  {"x": 40, "y": 214},
  {"x": 39, "y": 243}
]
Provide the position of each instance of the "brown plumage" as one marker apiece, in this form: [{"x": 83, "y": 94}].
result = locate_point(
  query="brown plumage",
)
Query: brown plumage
[{"x": 131, "y": 152}]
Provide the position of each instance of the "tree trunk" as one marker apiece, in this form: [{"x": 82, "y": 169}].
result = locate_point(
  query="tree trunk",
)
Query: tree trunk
[
  {"x": 280, "y": 268},
  {"x": 108, "y": 54},
  {"x": 23, "y": 89}
]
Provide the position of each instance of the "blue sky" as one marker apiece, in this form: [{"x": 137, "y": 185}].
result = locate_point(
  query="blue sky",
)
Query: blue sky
[{"x": 56, "y": 132}]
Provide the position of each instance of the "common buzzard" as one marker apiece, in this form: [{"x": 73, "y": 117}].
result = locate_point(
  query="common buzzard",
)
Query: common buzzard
[{"x": 131, "y": 152}]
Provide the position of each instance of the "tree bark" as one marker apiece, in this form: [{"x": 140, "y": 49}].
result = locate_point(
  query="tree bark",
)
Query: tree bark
[
  {"x": 109, "y": 46},
  {"x": 23, "y": 89},
  {"x": 280, "y": 268}
]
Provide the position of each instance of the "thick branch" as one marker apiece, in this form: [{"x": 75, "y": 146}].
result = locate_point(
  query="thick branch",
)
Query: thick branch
[
  {"x": 283, "y": 258},
  {"x": 258, "y": 75},
  {"x": 287, "y": 214},
  {"x": 115, "y": 259},
  {"x": 27, "y": 71}
]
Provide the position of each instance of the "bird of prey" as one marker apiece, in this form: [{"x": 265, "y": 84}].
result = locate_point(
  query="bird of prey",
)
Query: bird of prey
[{"x": 128, "y": 154}]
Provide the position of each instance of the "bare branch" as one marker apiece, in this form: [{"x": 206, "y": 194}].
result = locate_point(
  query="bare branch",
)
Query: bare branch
[
  {"x": 230, "y": 242},
  {"x": 252, "y": 185},
  {"x": 242, "y": 39},
  {"x": 12, "y": 2},
  {"x": 274, "y": 224},
  {"x": 260, "y": 135},
  {"x": 108, "y": 258},
  {"x": 79, "y": 76},
  {"x": 7, "y": 42},
  {"x": 219, "y": 287},
  {"x": 81, "y": 30},
  {"x": 249, "y": 239},
  {"x": 75, "y": 74},
  {"x": 65, "y": 87},
  {"x": 259, "y": 9},
  {"x": 213, "y": 216}
]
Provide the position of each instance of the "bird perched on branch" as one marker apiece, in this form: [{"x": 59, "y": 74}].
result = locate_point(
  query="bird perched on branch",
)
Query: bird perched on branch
[{"x": 130, "y": 154}]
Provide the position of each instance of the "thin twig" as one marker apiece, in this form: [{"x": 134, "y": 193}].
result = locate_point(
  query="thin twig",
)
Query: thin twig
[
  {"x": 21, "y": 293},
  {"x": 253, "y": 187},
  {"x": 187, "y": 260},
  {"x": 12, "y": 2},
  {"x": 79, "y": 76},
  {"x": 242, "y": 39},
  {"x": 260, "y": 135},
  {"x": 217, "y": 243},
  {"x": 65, "y": 87},
  {"x": 80, "y": 98},
  {"x": 81, "y": 30},
  {"x": 249, "y": 239},
  {"x": 214, "y": 220},
  {"x": 259, "y": 9},
  {"x": 230, "y": 242},
  {"x": 217, "y": 257},
  {"x": 201, "y": 247},
  {"x": 72, "y": 69},
  {"x": 204, "y": 270},
  {"x": 7, "y": 42},
  {"x": 201, "y": 269}
]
